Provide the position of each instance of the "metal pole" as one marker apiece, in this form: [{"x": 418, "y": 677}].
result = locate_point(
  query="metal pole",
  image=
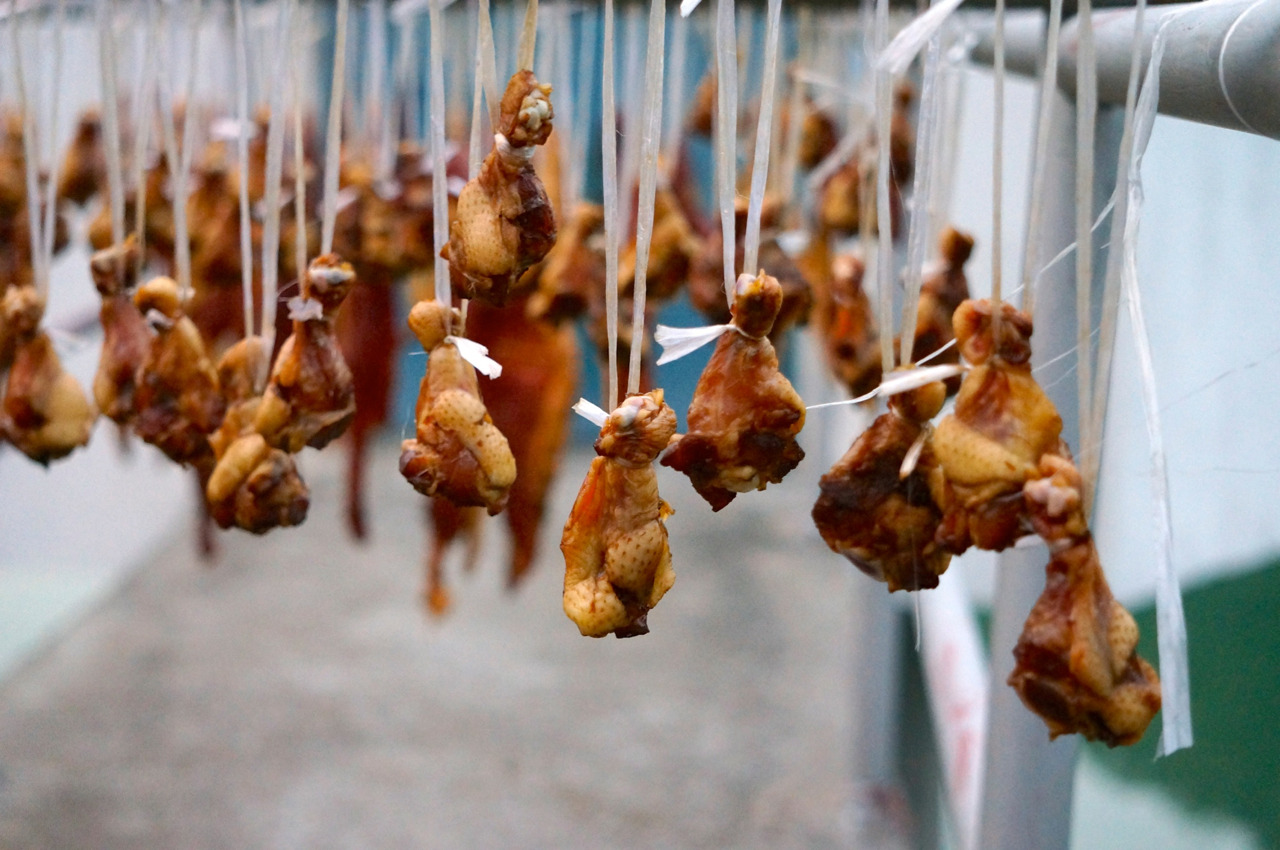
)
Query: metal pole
[{"x": 1221, "y": 63}]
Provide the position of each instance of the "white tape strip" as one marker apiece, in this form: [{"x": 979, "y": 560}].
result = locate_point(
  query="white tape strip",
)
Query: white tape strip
[
  {"x": 1175, "y": 679},
  {"x": 477, "y": 355},
  {"x": 678, "y": 342},
  {"x": 591, "y": 412},
  {"x": 897, "y": 57}
]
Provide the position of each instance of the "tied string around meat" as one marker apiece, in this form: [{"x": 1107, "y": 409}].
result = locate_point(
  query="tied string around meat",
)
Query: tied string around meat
[
  {"x": 472, "y": 352},
  {"x": 679, "y": 342}
]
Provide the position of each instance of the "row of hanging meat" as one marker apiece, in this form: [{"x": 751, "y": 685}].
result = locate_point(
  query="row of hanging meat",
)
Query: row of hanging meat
[{"x": 179, "y": 372}]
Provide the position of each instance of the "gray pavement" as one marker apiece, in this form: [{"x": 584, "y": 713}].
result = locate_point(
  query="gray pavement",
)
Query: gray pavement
[{"x": 296, "y": 696}]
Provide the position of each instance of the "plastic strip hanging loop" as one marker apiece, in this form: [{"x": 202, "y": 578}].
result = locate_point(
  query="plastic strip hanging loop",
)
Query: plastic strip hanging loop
[
  {"x": 477, "y": 355},
  {"x": 1170, "y": 622}
]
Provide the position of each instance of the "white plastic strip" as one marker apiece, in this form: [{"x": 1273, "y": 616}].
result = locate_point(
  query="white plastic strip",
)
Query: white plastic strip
[
  {"x": 997, "y": 164},
  {"x": 333, "y": 132},
  {"x": 1091, "y": 460},
  {"x": 897, "y": 57},
  {"x": 30, "y": 150},
  {"x": 764, "y": 137},
  {"x": 487, "y": 60},
  {"x": 474, "y": 154},
  {"x": 884, "y": 210},
  {"x": 275, "y": 169},
  {"x": 439, "y": 184},
  {"x": 374, "y": 95},
  {"x": 110, "y": 116},
  {"x": 180, "y": 161},
  {"x": 798, "y": 105},
  {"x": 477, "y": 355},
  {"x": 919, "y": 235},
  {"x": 674, "y": 100},
  {"x": 1086, "y": 122},
  {"x": 679, "y": 342},
  {"x": 1039, "y": 166},
  {"x": 651, "y": 130},
  {"x": 593, "y": 413},
  {"x": 141, "y": 132},
  {"x": 687, "y": 7},
  {"x": 609, "y": 166},
  {"x": 1171, "y": 625},
  {"x": 901, "y": 381},
  {"x": 50, "y": 226},
  {"x": 726, "y": 129},
  {"x": 305, "y": 309},
  {"x": 632, "y": 105},
  {"x": 528, "y": 37},
  {"x": 402, "y": 11},
  {"x": 242, "y": 154},
  {"x": 299, "y": 155}
]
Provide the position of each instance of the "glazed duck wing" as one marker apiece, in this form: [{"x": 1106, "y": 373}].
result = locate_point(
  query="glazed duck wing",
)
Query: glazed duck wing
[
  {"x": 1075, "y": 662},
  {"x": 617, "y": 560},
  {"x": 745, "y": 414},
  {"x": 177, "y": 401},
  {"x": 310, "y": 398},
  {"x": 1003, "y": 424},
  {"x": 45, "y": 414},
  {"x": 253, "y": 486},
  {"x": 504, "y": 222},
  {"x": 457, "y": 453},
  {"x": 125, "y": 335},
  {"x": 883, "y": 521}
]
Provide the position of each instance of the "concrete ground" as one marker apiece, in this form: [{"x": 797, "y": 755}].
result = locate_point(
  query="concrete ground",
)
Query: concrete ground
[{"x": 296, "y": 696}]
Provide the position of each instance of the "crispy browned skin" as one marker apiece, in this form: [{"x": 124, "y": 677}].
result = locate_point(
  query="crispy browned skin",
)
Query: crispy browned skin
[
  {"x": 45, "y": 414},
  {"x": 253, "y": 486},
  {"x": 457, "y": 453},
  {"x": 941, "y": 292},
  {"x": 177, "y": 401},
  {"x": 882, "y": 521},
  {"x": 1076, "y": 665},
  {"x": 529, "y": 402},
  {"x": 125, "y": 335},
  {"x": 574, "y": 269},
  {"x": 310, "y": 399},
  {"x": 617, "y": 560},
  {"x": 745, "y": 414},
  {"x": 1003, "y": 424},
  {"x": 850, "y": 341},
  {"x": 504, "y": 222}
]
